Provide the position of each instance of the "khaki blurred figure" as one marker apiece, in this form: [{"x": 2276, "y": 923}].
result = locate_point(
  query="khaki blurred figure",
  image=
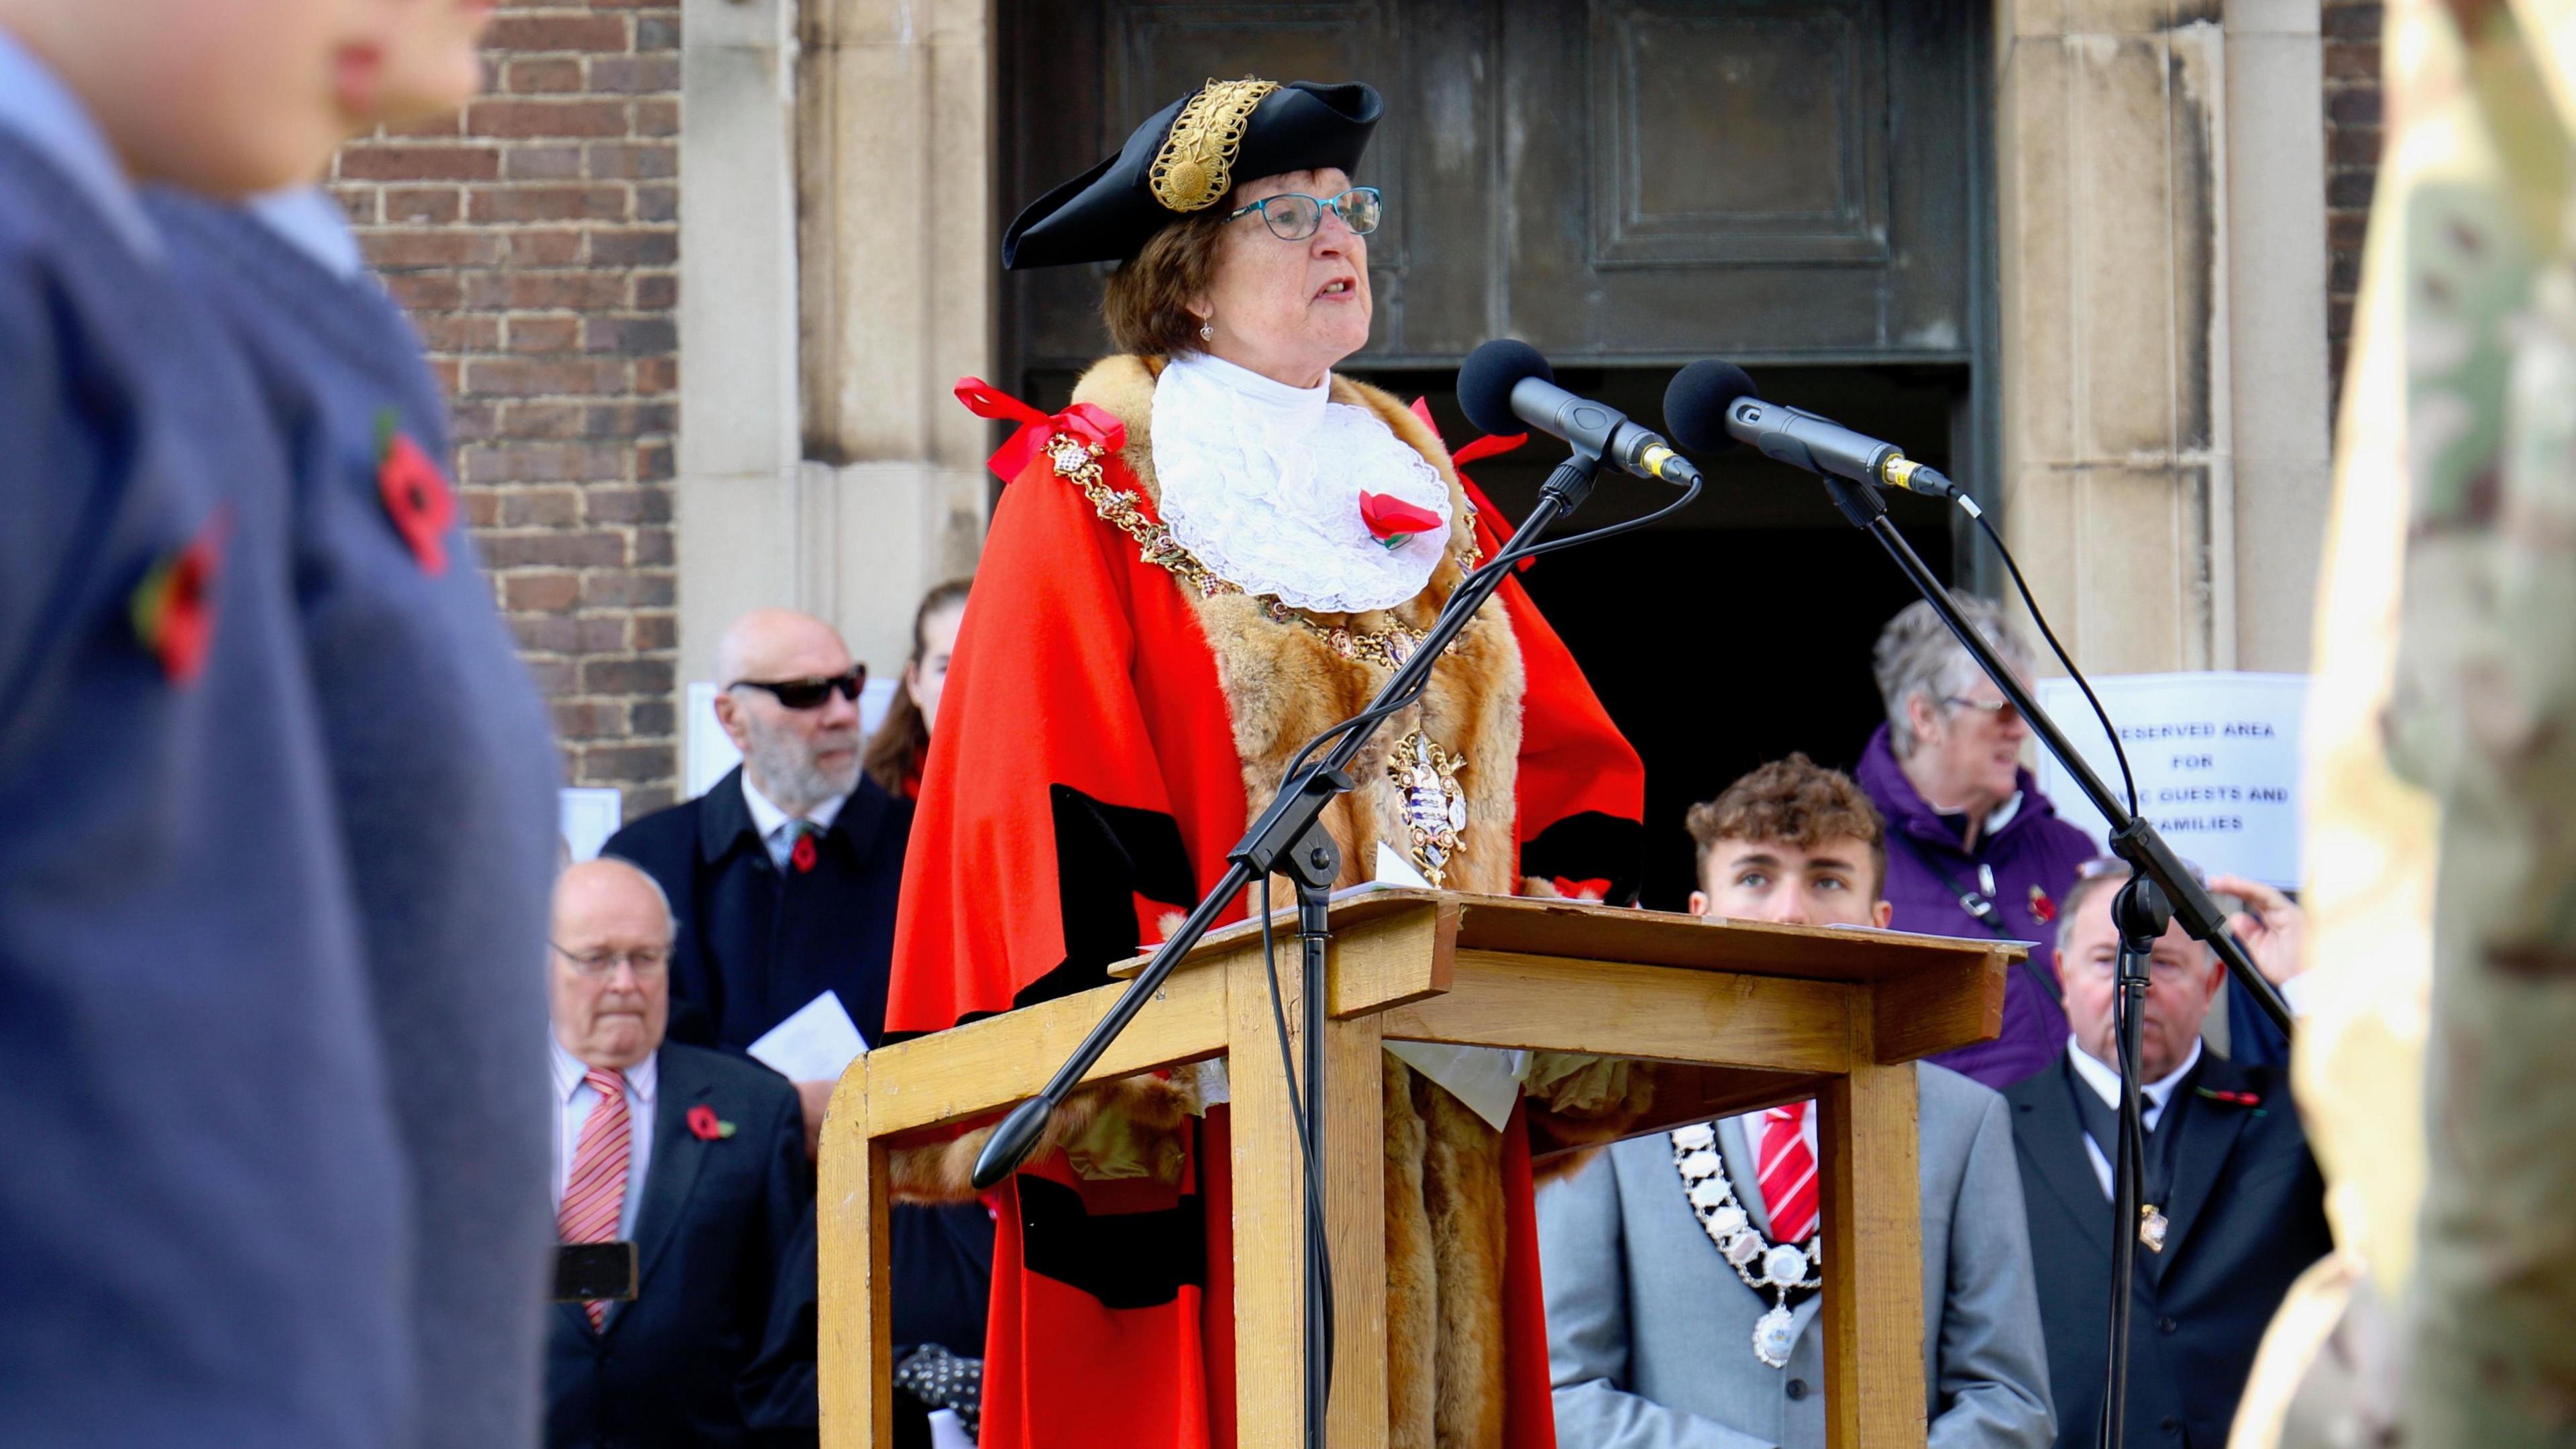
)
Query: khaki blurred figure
[{"x": 2434, "y": 1070}]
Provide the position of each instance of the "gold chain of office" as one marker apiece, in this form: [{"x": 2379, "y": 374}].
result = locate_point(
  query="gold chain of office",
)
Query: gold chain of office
[{"x": 1078, "y": 462}]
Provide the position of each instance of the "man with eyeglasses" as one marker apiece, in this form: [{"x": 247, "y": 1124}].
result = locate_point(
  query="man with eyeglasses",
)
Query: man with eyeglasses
[
  {"x": 2234, "y": 1207},
  {"x": 697, "y": 1157}
]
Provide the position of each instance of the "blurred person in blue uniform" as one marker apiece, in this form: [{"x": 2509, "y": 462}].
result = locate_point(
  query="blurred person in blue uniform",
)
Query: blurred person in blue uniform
[
  {"x": 203, "y": 1227},
  {"x": 439, "y": 755}
]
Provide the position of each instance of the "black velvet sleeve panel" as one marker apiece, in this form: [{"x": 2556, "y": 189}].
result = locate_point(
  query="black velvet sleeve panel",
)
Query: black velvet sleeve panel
[
  {"x": 1591, "y": 846},
  {"x": 1106, "y": 856}
]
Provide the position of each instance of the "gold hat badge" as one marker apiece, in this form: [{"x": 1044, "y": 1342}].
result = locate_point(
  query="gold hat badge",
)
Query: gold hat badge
[{"x": 1196, "y": 165}]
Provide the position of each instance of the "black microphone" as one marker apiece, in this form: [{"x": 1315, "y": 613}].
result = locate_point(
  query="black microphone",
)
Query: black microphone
[
  {"x": 1505, "y": 384},
  {"x": 1713, "y": 405}
]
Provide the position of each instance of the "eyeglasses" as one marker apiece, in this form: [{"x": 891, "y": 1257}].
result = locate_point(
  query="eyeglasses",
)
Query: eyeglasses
[
  {"x": 1293, "y": 216},
  {"x": 809, "y": 693},
  {"x": 647, "y": 962},
  {"x": 2001, "y": 711}
]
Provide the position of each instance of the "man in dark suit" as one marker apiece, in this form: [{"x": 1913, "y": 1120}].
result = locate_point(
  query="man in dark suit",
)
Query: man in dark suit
[
  {"x": 784, "y": 874},
  {"x": 2239, "y": 1200},
  {"x": 695, "y": 1156},
  {"x": 784, "y": 877}
]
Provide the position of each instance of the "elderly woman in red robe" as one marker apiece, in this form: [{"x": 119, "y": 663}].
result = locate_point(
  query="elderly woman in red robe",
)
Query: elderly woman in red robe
[{"x": 1220, "y": 549}]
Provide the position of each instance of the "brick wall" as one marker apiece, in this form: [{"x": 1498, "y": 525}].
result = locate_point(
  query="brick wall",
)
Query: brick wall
[
  {"x": 2352, "y": 158},
  {"x": 534, "y": 240}
]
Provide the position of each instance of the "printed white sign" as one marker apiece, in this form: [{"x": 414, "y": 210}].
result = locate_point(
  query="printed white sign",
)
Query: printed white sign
[
  {"x": 708, "y": 753},
  {"x": 2216, "y": 758},
  {"x": 587, "y": 817}
]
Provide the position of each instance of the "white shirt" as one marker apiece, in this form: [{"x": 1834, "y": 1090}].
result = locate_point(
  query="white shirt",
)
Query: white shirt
[
  {"x": 1261, "y": 482},
  {"x": 776, "y": 826},
  {"x": 2106, "y": 1085},
  {"x": 573, "y": 1100},
  {"x": 314, "y": 224}
]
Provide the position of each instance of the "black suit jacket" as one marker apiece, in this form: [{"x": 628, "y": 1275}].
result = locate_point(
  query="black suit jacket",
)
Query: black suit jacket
[
  {"x": 717, "y": 1219},
  {"x": 2248, "y": 1214},
  {"x": 755, "y": 942}
]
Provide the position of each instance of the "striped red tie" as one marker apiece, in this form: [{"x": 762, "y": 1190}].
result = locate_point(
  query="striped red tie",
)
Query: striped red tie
[
  {"x": 1788, "y": 1174},
  {"x": 595, "y": 1193}
]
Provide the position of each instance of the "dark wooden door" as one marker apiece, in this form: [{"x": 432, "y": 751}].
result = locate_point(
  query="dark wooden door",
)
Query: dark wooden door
[
  {"x": 1627, "y": 185},
  {"x": 1628, "y": 180}
]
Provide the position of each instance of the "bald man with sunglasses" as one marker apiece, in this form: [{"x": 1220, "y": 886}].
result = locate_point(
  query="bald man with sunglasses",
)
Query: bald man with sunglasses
[{"x": 784, "y": 874}]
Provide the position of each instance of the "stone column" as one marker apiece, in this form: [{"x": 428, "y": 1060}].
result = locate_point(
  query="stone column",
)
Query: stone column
[
  {"x": 836, "y": 253},
  {"x": 2162, "y": 270},
  {"x": 898, "y": 249},
  {"x": 738, "y": 510}
]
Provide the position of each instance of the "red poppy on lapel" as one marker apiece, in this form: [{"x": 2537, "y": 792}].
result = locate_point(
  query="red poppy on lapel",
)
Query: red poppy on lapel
[
  {"x": 415, "y": 493},
  {"x": 801, "y": 855},
  {"x": 2233, "y": 1099},
  {"x": 706, "y": 1125},
  {"x": 174, "y": 607},
  {"x": 1391, "y": 520}
]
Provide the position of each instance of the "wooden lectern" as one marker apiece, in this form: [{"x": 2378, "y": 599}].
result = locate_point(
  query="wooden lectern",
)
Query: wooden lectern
[{"x": 1736, "y": 1016}]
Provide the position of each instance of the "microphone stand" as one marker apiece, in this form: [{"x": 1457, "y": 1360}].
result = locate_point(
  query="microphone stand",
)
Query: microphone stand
[
  {"x": 1288, "y": 837},
  {"x": 2161, "y": 889}
]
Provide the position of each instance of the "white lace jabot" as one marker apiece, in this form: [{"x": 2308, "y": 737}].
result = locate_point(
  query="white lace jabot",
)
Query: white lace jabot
[{"x": 1262, "y": 482}]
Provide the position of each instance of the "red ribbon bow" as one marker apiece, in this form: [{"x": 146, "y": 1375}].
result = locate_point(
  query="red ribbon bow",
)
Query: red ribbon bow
[
  {"x": 1583, "y": 890},
  {"x": 1094, "y": 425},
  {"x": 415, "y": 495}
]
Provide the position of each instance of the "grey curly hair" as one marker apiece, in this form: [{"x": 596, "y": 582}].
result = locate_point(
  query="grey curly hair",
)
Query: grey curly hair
[{"x": 1917, "y": 654}]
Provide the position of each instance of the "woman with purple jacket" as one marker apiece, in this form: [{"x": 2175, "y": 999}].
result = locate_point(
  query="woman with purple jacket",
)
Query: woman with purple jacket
[{"x": 1973, "y": 848}]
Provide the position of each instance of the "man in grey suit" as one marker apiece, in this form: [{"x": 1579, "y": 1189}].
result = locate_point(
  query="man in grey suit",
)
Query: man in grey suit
[{"x": 1680, "y": 1268}]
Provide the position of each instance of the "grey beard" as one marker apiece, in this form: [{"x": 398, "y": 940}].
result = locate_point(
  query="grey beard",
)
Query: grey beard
[{"x": 782, "y": 769}]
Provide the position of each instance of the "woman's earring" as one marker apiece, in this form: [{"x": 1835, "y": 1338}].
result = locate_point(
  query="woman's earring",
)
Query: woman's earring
[{"x": 1207, "y": 332}]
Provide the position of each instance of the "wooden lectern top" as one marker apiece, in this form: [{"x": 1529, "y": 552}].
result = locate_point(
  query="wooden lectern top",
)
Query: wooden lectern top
[{"x": 1735, "y": 1015}]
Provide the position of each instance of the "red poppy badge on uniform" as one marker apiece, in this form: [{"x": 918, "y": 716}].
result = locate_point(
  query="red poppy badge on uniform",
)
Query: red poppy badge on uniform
[
  {"x": 415, "y": 493},
  {"x": 2042, "y": 909},
  {"x": 706, "y": 1126},
  {"x": 174, "y": 607},
  {"x": 1391, "y": 520}
]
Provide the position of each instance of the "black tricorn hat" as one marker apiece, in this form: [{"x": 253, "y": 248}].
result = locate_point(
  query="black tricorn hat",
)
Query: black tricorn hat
[{"x": 1186, "y": 158}]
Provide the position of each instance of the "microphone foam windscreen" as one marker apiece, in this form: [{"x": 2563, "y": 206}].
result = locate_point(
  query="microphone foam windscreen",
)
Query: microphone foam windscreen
[
  {"x": 1695, "y": 404},
  {"x": 1486, "y": 380}
]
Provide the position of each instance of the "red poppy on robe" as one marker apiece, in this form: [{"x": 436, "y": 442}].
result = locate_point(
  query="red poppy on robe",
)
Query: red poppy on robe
[
  {"x": 416, "y": 495},
  {"x": 1391, "y": 520},
  {"x": 174, "y": 608}
]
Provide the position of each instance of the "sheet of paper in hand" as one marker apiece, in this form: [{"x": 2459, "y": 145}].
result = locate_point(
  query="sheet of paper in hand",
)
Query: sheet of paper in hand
[{"x": 813, "y": 1045}]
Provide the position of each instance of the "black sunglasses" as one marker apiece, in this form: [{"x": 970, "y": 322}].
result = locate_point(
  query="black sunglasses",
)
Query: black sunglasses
[{"x": 809, "y": 693}]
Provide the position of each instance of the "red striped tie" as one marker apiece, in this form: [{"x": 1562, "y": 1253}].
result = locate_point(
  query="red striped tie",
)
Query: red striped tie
[
  {"x": 1788, "y": 1174},
  {"x": 595, "y": 1193}
]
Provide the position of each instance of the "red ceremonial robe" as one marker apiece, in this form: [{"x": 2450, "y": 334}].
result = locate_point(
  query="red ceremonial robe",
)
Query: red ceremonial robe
[{"x": 1112, "y": 714}]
